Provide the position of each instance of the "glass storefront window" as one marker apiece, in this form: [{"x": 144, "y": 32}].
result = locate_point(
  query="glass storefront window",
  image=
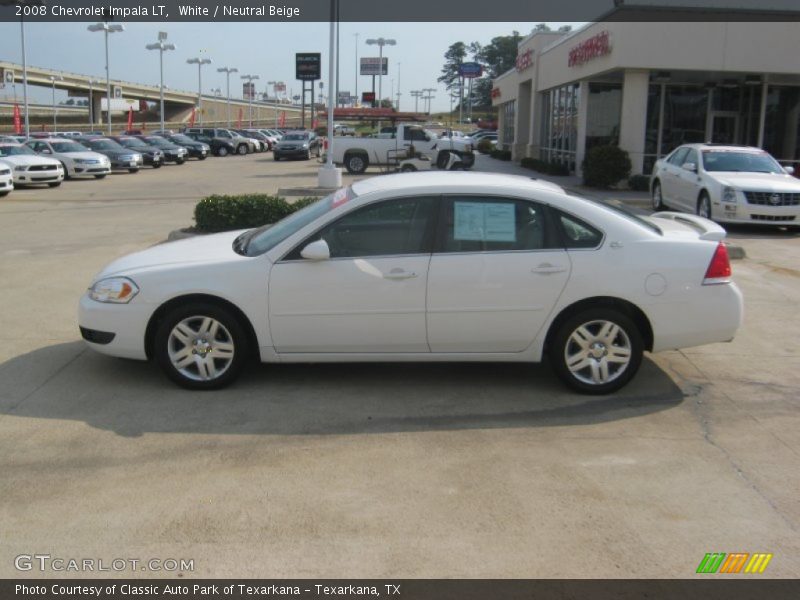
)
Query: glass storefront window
[
  {"x": 782, "y": 124},
  {"x": 685, "y": 110},
  {"x": 559, "y": 131},
  {"x": 509, "y": 110},
  {"x": 603, "y": 114}
]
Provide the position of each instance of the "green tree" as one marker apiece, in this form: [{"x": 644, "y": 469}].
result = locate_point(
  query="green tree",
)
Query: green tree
[
  {"x": 497, "y": 57},
  {"x": 454, "y": 56}
]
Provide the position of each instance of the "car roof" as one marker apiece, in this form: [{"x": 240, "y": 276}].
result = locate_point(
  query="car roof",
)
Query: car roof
[
  {"x": 723, "y": 147},
  {"x": 56, "y": 139},
  {"x": 420, "y": 179}
]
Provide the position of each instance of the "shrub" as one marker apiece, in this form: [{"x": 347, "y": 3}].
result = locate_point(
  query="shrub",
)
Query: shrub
[
  {"x": 549, "y": 168},
  {"x": 227, "y": 213},
  {"x": 500, "y": 154},
  {"x": 605, "y": 166},
  {"x": 529, "y": 163},
  {"x": 302, "y": 202},
  {"x": 485, "y": 146},
  {"x": 639, "y": 183}
]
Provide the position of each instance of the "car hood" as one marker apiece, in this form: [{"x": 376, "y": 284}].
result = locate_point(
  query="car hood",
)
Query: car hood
[
  {"x": 283, "y": 143},
  {"x": 767, "y": 182},
  {"x": 83, "y": 155},
  {"x": 201, "y": 248},
  {"x": 25, "y": 160},
  {"x": 117, "y": 153}
]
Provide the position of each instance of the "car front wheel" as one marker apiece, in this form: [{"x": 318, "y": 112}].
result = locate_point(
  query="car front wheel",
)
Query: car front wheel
[
  {"x": 597, "y": 351},
  {"x": 223, "y": 151},
  {"x": 241, "y": 150},
  {"x": 704, "y": 206},
  {"x": 658, "y": 199},
  {"x": 201, "y": 346}
]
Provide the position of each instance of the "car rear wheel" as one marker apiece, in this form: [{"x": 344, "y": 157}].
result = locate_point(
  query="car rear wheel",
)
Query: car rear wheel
[
  {"x": 356, "y": 164},
  {"x": 241, "y": 150},
  {"x": 201, "y": 346},
  {"x": 597, "y": 351},
  {"x": 658, "y": 199},
  {"x": 704, "y": 206}
]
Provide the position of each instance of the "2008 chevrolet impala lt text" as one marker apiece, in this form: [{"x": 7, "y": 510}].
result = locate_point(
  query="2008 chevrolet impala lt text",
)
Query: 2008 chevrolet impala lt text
[{"x": 424, "y": 267}]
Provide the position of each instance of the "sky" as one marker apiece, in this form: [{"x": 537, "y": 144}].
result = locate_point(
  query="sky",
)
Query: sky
[{"x": 263, "y": 49}]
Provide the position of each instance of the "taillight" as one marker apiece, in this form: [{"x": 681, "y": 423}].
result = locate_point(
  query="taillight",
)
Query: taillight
[{"x": 719, "y": 270}]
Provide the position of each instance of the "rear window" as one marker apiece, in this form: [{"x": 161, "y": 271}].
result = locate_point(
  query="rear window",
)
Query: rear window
[{"x": 622, "y": 211}]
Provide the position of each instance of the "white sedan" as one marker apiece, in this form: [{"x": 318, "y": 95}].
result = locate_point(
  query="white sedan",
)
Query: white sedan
[
  {"x": 433, "y": 266},
  {"x": 76, "y": 159},
  {"x": 29, "y": 168},
  {"x": 728, "y": 184},
  {"x": 6, "y": 179}
]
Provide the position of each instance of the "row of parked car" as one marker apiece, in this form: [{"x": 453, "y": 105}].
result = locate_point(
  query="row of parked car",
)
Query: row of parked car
[{"x": 50, "y": 158}]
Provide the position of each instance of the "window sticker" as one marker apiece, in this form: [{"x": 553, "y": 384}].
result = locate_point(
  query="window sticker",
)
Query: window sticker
[{"x": 484, "y": 221}]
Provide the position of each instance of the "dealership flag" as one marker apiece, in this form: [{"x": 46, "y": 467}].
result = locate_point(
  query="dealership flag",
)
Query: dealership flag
[
  {"x": 191, "y": 119},
  {"x": 239, "y": 122},
  {"x": 314, "y": 124},
  {"x": 282, "y": 121},
  {"x": 130, "y": 118},
  {"x": 17, "y": 120}
]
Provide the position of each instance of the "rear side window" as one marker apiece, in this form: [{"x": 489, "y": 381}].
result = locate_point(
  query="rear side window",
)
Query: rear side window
[
  {"x": 494, "y": 224},
  {"x": 577, "y": 233}
]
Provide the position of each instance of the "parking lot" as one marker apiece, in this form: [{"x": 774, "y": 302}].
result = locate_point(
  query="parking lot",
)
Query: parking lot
[{"x": 401, "y": 470}]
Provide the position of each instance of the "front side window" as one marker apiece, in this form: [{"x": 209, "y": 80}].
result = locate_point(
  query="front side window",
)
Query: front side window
[
  {"x": 389, "y": 228},
  {"x": 486, "y": 224},
  {"x": 678, "y": 156}
]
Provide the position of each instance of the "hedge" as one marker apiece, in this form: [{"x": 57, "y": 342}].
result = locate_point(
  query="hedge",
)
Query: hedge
[
  {"x": 227, "y": 213},
  {"x": 605, "y": 166},
  {"x": 542, "y": 166},
  {"x": 639, "y": 183},
  {"x": 485, "y": 146},
  {"x": 501, "y": 154}
]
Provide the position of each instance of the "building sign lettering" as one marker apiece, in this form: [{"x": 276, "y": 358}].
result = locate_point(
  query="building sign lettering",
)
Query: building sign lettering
[
  {"x": 525, "y": 60},
  {"x": 597, "y": 45}
]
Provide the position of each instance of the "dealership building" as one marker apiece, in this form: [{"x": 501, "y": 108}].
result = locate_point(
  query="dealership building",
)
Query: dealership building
[{"x": 651, "y": 86}]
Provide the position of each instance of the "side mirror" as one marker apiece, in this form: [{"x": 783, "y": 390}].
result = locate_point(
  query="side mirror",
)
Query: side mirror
[
  {"x": 789, "y": 170},
  {"x": 45, "y": 151},
  {"x": 317, "y": 250},
  {"x": 690, "y": 166}
]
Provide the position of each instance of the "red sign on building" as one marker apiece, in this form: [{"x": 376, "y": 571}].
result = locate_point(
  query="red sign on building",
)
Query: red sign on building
[
  {"x": 597, "y": 45},
  {"x": 495, "y": 92},
  {"x": 524, "y": 60}
]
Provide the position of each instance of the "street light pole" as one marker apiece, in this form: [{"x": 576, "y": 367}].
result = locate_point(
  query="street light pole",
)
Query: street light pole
[
  {"x": 23, "y": 3},
  {"x": 399, "y": 93},
  {"x": 356, "y": 92},
  {"x": 106, "y": 29},
  {"x": 228, "y": 71},
  {"x": 53, "y": 80},
  {"x": 161, "y": 46},
  {"x": 91, "y": 102},
  {"x": 199, "y": 61},
  {"x": 380, "y": 42},
  {"x": 250, "y": 79}
]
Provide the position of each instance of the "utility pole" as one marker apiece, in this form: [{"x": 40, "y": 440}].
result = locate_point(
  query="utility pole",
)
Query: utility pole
[
  {"x": 228, "y": 71},
  {"x": 250, "y": 88},
  {"x": 161, "y": 46},
  {"x": 199, "y": 61}
]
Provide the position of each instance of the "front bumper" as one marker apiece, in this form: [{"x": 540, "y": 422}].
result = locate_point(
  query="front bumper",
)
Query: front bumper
[
  {"x": 92, "y": 169},
  {"x": 126, "y": 164},
  {"x": 34, "y": 177},
  {"x": 6, "y": 184},
  {"x": 291, "y": 153},
  {"x": 755, "y": 214},
  {"x": 119, "y": 329}
]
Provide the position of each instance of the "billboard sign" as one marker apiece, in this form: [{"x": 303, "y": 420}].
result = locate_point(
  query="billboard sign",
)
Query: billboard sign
[
  {"x": 470, "y": 70},
  {"x": 249, "y": 90},
  {"x": 372, "y": 65},
  {"x": 308, "y": 66},
  {"x": 367, "y": 97}
]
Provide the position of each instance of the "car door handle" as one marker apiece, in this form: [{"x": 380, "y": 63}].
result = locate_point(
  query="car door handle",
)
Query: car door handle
[
  {"x": 548, "y": 269},
  {"x": 397, "y": 274}
]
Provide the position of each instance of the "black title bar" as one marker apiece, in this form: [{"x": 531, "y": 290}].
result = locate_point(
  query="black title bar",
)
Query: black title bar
[{"x": 405, "y": 10}]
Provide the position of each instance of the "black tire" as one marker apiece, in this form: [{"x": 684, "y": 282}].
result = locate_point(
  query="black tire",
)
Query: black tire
[
  {"x": 657, "y": 199},
  {"x": 54, "y": 184},
  {"x": 232, "y": 331},
  {"x": 408, "y": 169},
  {"x": 442, "y": 159},
  {"x": 180, "y": 161},
  {"x": 157, "y": 165},
  {"x": 4, "y": 194},
  {"x": 66, "y": 172},
  {"x": 133, "y": 171},
  {"x": 704, "y": 206},
  {"x": 308, "y": 155},
  {"x": 592, "y": 321},
  {"x": 222, "y": 151},
  {"x": 241, "y": 149},
  {"x": 101, "y": 176},
  {"x": 202, "y": 157},
  {"x": 275, "y": 157},
  {"x": 356, "y": 164}
]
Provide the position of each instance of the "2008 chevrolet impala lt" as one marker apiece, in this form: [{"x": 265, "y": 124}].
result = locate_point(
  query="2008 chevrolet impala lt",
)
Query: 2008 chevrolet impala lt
[{"x": 440, "y": 266}]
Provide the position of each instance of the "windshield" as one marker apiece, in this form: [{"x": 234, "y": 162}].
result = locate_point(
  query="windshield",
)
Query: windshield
[
  {"x": 266, "y": 238},
  {"x": 748, "y": 162},
  {"x": 160, "y": 142},
  {"x": 68, "y": 147},
  {"x": 104, "y": 145},
  {"x": 295, "y": 136},
  {"x": 15, "y": 150},
  {"x": 132, "y": 143},
  {"x": 184, "y": 139}
]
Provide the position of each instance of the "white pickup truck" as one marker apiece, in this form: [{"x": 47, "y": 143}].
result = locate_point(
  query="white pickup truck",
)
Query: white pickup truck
[{"x": 394, "y": 144}]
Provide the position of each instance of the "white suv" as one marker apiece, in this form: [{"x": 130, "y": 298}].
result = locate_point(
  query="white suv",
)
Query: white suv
[{"x": 729, "y": 184}]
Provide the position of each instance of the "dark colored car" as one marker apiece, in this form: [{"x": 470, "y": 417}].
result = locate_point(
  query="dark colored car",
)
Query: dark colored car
[
  {"x": 243, "y": 145},
  {"x": 172, "y": 152},
  {"x": 196, "y": 149},
  {"x": 257, "y": 135},
  {"x": 152, "y": 155},
  {"x": 121, "y": 158},
  {"x": 297, "y": 144},
  {"x": 219, "y": 146}
]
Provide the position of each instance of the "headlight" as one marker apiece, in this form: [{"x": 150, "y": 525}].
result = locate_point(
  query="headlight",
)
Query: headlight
[
  {"x": 137, "y": 157},
  {"x": 116, "y": 290},
  {"x": 305, "y": 145},
  {"x": 728, "y": 194}
]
